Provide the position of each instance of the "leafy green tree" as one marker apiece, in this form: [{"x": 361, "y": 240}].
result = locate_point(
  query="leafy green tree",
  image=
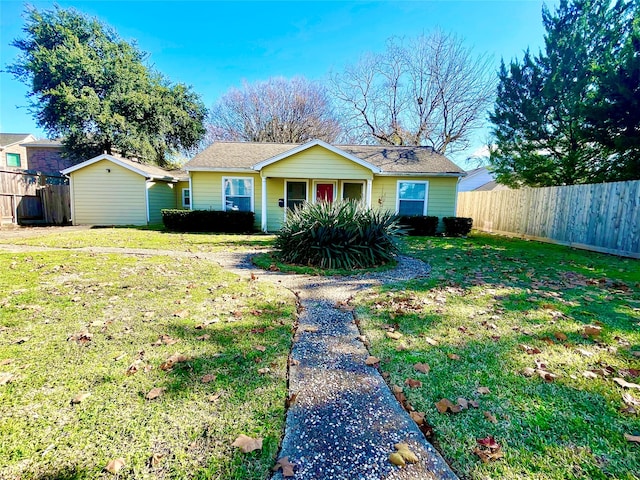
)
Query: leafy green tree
[
  {"x": 95, "y": 91},
  {"x": 543, "y": 117}
]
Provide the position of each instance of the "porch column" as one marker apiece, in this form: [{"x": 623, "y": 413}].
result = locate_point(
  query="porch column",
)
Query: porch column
[
  {"x": 369, "y": 182},
  {"x": 264, "y": 204}
]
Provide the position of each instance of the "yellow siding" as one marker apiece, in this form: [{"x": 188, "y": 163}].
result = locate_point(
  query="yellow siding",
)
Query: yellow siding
[
  {"x": 117, "y": 197},
  {"x": 178, "y": 191},
  {"x": 275, "y": 214},
  {"x": 207, "y": 191},
  {"x": 442, "y": 194},
  {"x": 161, "y": 195},
  {"x": 318, "y": 163}
]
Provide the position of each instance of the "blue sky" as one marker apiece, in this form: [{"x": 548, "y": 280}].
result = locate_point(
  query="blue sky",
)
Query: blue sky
[{"x": 214, "y": 46}]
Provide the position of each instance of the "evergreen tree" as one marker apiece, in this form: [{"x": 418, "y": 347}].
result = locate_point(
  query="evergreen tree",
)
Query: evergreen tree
[
  {"x": 543, "y": 117},
  {"x": 95, "y": 91}
]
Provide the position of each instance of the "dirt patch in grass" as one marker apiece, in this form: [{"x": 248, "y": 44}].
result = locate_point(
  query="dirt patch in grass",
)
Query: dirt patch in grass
[
  {"x": 108, "y": 326},
  {"x": 545, "y": 329}
]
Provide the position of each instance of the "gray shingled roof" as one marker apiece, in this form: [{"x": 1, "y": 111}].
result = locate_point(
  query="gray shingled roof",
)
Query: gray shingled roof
[
  {"x": 44, "y": 143},
  {"x": 11, "y": 138},
  {"x": 390, "y": 159}
]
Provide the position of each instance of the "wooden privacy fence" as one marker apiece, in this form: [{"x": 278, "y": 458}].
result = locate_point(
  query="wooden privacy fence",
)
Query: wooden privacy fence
[
  {"x": 601, "y": 217},
  {"x": 33, "y": 198}
]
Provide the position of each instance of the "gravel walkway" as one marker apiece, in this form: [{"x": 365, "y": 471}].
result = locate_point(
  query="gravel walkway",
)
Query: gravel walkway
[{"x": 343, "y": 420}]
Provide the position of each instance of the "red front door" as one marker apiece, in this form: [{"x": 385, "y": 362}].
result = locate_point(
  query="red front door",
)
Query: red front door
[{"x": 324, "y": 192}]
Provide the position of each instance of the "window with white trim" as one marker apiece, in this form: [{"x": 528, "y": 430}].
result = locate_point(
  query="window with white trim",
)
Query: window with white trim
[
  {"x": 186, "y": 197},
  {"x": 412, "y": 198},
  {"x": 237, "y": 194}
]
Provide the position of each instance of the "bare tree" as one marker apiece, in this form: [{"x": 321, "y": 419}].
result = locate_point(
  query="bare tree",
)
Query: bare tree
[
  {"x": 430, "y": 90},
  {"x": 277, "y": 110}
]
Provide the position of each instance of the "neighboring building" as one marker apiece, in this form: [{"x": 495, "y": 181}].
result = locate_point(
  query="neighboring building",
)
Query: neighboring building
[
  {"x": 269, "y": 178},
  {"x": 108, "y": 190},
  {"x": 45, "y": 156},
  {"x": 480, "y": 179},
  {"x": 13, "y": 155}
]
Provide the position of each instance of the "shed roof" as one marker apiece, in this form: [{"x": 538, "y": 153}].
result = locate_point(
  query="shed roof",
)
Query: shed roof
[
  {"x": 388, "y": 159},
  {"x": 148, "y": 171}
]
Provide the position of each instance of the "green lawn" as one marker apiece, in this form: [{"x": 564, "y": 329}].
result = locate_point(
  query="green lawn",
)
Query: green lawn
[
  {"x": 495, "y": 307},
  {"x": 143, "y": 237},
  {"x": 74, "y": 323}
]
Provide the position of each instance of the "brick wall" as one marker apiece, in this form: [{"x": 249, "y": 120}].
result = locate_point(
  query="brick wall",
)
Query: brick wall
[{"x": 47, "y": 159}]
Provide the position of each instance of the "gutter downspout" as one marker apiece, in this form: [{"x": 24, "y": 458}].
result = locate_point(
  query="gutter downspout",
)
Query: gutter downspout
[
  {"x": 455, "y": 204},
  {"x": 190, "y": 193},
  {"x": 147, "y": 184}
]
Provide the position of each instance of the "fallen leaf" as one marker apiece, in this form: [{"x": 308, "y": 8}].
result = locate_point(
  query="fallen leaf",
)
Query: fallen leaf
[
  {"x": 584, "y": 352},
  {"x": 630, "y": 399},
  {"x": 260, "y": 348},
  {"x": 417, "y": 417},
  {"x": 624, "y": 384},
  {"x": 592, "y": 330},
  {"x": 529, "y": 372},
  {"x": 445, "y": 405},
  {"x": 172, "y": 360},
  {"x": 397, "y": 459},
  {"x": 394, "y": 335},
  {"x": 6, "y": 361},
  {"x": 474, "y": 404},
  {"x": 483, "y": 390},
  {"x": 632, "y": 438},
  {"x": 589, "y": 374},
  {"x": 406, "y": 454},
  {"x": 487, "y": 455},
  {"x": 453, "y": 356},
  {"x": 546, "y": 375},
  {"x": 560, "y": 336},
  {"x": 490, "y": 416},
  {"x": 411, "y": 383},
  {"x": 310, "y": 329},
  {"x": 79, "y": 398},
  {"x": 263, "y": 371},
  {"x": 115, "y": 465},
  {"x": 134, "y": 367},
  {"x": 247, "y": 444},
  {"x": 208, "y": 378},
  {"x": 488, "y": 442},
  {"x": 206, "y": 336},
  {"x": 81, "y": 338},
  {"x": 6, "y": 378},
  {"x": 422, "y": 367},
  {"x": 431, "y": 341},
  {"x": 286, "y": 466},
  {"x": 463, "y": 403},
  {"x": 530, "y": 350},
  {"x": 181, "y": 313},
  {"x": 214, "y": 397},
  {"x": 371, "y": 360},
  {"x": 155, "y": 459},
  {"x": 155, "y": 393}
]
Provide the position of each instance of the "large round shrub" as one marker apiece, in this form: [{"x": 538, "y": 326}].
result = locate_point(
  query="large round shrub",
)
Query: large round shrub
[{"x": 338, "y": 235}]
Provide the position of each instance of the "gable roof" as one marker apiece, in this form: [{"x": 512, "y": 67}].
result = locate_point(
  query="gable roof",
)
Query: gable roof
[
  {"x": 235, "y": 156},
  {"x": 7, "y": 139},
  {"x": 150, "y": 172}
]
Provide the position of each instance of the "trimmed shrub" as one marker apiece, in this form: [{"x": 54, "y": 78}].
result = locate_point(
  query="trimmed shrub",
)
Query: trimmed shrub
[
  {"x": 213, "y": 221},
  {"x": 420, "y": 225},
  {"x": 457, "y": 226},
  {"x": 338, "y": 235}
]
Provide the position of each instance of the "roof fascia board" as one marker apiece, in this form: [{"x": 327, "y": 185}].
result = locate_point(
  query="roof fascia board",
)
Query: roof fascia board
[
  {"x": 423, "y": 174},
  {"x": 219, "y": 169},
  {"x": 119, "y": 162},
  {"x": 300, "y": 148}
]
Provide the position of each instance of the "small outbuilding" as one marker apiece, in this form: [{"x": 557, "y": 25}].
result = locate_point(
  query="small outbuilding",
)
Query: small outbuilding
[{"x": 109, "y": 190}]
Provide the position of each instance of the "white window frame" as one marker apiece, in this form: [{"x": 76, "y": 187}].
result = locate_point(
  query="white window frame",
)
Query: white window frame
[
  {"x": 184, "y": 190},
  {"x": 315, "y": 185},
  {"x": 361, "y": 182},
  {"x": 224, "y": 196},
  {"x": 426, "y": 194}
]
